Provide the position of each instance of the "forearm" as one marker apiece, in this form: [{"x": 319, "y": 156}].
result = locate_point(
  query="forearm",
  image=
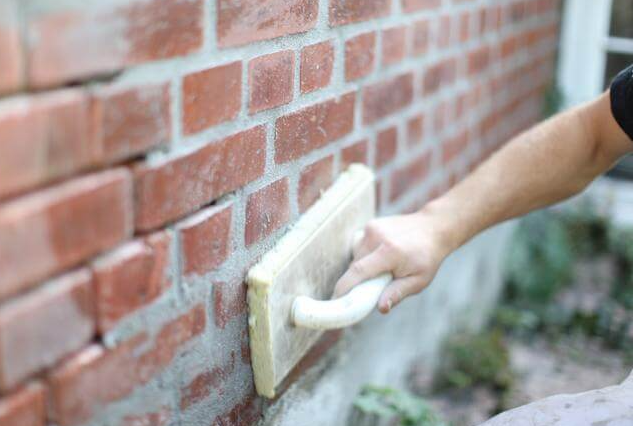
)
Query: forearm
[{"x": 542, "y": 166}]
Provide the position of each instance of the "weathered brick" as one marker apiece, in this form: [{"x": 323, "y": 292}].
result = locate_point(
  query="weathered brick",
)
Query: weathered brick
[
  {"x": 211, "y": 96},
  {"x": 348, "y": 11},
  {"x": 43, "y": 138},
  {"x": 160, "y": 417},
  {"x": 441, "y": 116},
  {"x": 317, "y": 62},
  {"x": 205, "y": 239},
  {"x": 409, "y": 176},
  {"x": 444, "y": 32},
  {"x": 270, "y": 80},
  {"x": 313, "y": 127},
  {"x": 177, "y": 187},
  {"x": 386, "y": 145},
  {"x": 266, "y": 211},
  {"x": 394, "y": 45},
  {"x": 42, "y": 327},
  {"x": 439, "y": 75},
  {"x": 130, "y": 120},
  {"x": 415, "y": 5},
  {"x": 420, "y": 37},
  {"x": 245, "y": 412},
  {"x": 11, "y": 45},
  {"x": 355, "y": 153},
  {"x": 118, "y": 35},
  {"x": 359, "y": 56},
  {"x": 415, "y": 130},
  {"x": 129, "y": 278},
  {"x": 24, "y": 407},
  {"x": 386, "y": 97},
  {"x": 314, "y": 179},
  {"x": 229, "y": 301},
  {"x": 48, "y": 231},
  {"x": 453, "y": 146},
  {"x": 478, "y": 60},
  {"x": 203, "y": 384},
  {"x": 252, "y": 20},
  {"x": 96, "y": 377},
  {"x": 464, "y": 26}
]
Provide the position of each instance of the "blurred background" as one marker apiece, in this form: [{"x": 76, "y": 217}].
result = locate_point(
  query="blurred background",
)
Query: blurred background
[{"x": 564, "y": 322}]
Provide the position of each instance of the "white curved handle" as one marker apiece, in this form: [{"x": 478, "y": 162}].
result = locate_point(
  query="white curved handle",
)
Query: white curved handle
[{"x": 342, "y": 312}]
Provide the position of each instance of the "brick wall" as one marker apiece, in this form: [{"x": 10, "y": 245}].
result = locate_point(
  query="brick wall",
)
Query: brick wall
[{"x": 152, "y": 150}]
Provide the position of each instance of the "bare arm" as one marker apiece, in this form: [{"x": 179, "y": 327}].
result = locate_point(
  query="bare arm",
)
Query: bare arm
[{"x": 546, "y": 164}]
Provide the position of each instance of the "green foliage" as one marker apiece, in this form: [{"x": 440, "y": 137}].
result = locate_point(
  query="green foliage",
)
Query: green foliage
[
  {"x": 481, "y": 359},
  {"x": 621, "y": 244},
  {"x": 552, "y": 101},
  {"x": 391, "y": 403},
  {"x": 540, "y": 263},
  {"x": 540, "y": 259}
]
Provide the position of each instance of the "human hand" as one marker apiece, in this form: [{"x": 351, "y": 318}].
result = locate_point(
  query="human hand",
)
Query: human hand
[{"x": 411, "y": 247}]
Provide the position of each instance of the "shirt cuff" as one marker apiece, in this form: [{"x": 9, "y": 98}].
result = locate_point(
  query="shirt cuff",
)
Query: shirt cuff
[{"x": 622, "y": 100}]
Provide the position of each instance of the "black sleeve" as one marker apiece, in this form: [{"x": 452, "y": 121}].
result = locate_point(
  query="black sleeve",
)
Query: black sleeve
[{"x": 622, "y": 100}]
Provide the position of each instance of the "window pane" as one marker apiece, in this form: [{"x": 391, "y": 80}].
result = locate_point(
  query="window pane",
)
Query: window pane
[
  {"x": 621, "y": 18},
  {"x": 616, "y": 62}
]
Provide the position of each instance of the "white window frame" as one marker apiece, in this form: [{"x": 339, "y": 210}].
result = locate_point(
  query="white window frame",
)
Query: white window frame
[{"x": 584, "y": 45}]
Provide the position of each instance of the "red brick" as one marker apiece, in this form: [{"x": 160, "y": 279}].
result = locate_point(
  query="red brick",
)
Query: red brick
[
  {"x": 453, "y": 146},
  {"x": 356, "y": 153},
  {"x": 24, "y": 407},
  {"x": 517, "y": 11},
  {"x": 478, "y": 60},
  {"x": 177, "y": 187},
  {"x": 386, "y": 97},
  {"x": 203, "y": 384},
  {"x": 409, "y": 176},
  {"x": 266, "y": 211},
  {"x": 415, "y": 5},
  {"x": 317, "y": 62},
  {"x": 464, "y": 26},
  {"x": 42, "y": 327},
  {"x": 440, "y": 117},
  {"x": 44, "y": 137},
  {"x": 11, "y": 54},
  {"x": 229, "y": 301},
  {"x": 415, "y": 130},
  {"x": 443, "y": 34},
  {"x": 439, "y": 75},
  {"x": 246, "y": 412},
  {"x": 211, "y": 97},
  {"x": 246, "y": 21},
  {"x": 130, "y": 120},
  {"x": 393, "y": 45},
  {"x": 129, "y": 278},
  {"x": 313, "y": 127},
  {"x": 96, "y": 377},
  {"x": 314, "y": 179},
  {"x": 118, "y": 35},
  {"x": 420, "y": 37},
  {"x": 359, "y": 56},
  {"x": 51, "y": 230},
  {"x": 386, "y": 145},
  {"x": 205, "y": 239},
  {"x": 270, "y": 80},
  {"x": 348, "y": 11},
  {"x": 156, "y": 418}
]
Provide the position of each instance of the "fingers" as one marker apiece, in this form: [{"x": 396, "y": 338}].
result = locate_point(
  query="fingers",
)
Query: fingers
[
  {"x": 367, "y": 267},
  {"x": 362, "y": 245},
  {"x": 399, "y": 288}
]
